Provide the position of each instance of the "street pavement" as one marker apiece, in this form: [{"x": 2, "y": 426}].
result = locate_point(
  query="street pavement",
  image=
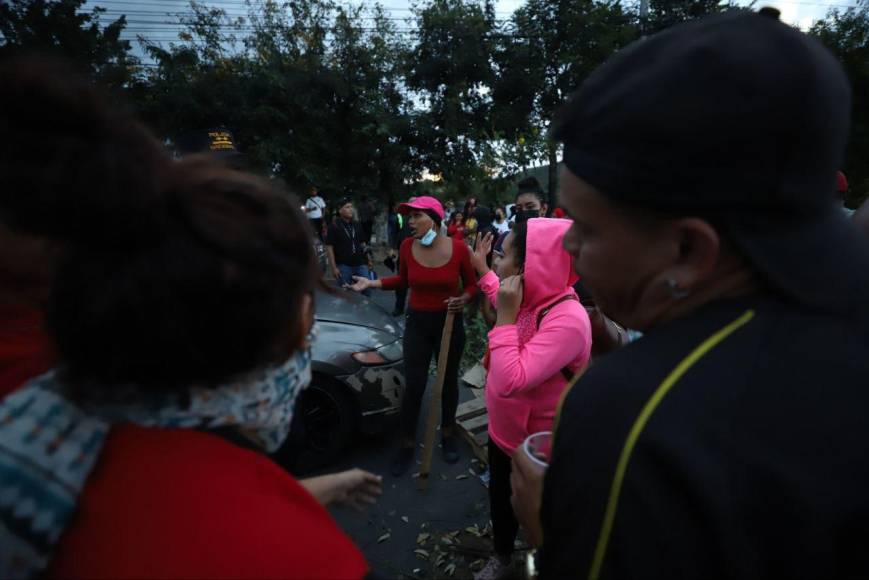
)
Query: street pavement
[{"x": 438, "y": 533}]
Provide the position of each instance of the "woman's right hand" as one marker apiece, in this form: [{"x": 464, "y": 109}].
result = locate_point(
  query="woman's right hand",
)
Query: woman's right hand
[
  {"x": 359, "y": 284},
  {"x": 481, "y": 251},
  {"x": 509, "y": 300}
]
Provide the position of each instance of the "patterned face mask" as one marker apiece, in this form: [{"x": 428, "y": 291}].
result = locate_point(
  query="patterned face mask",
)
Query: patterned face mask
[
  {"x": 50, "y": 445},
  {"x": 262, "y": 408}
]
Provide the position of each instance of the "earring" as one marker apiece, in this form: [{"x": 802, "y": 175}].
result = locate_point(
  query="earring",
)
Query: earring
[{"x": 675, "y": 291}]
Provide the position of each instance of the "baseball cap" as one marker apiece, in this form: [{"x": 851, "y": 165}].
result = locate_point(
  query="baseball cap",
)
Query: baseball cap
[
  {"x": 738, "y": 119},
  {"x": 422, "y": 203}
]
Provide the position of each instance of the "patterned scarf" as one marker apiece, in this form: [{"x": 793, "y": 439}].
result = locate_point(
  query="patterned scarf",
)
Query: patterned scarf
[{"x": 48, "y": 445}]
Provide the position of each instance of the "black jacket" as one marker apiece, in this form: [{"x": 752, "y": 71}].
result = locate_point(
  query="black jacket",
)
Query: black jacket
[{"x": 744, "y": 438}]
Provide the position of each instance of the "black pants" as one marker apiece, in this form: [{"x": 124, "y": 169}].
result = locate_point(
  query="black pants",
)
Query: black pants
[
  {"x": 504, "y": 524},
  {"x": 422, "y": 340},
  {"x": 367, "y": 230},
  {"x": 317, "y": 226}
]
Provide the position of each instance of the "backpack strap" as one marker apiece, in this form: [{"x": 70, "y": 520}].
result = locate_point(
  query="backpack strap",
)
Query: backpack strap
[
  {"x": 545, "y": 311},
  {"x": 566, "y": 372}
]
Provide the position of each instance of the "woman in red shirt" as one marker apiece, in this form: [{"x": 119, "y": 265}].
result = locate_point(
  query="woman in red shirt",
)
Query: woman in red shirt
[
  {"x": 432, "y": 266},
  {"x": 198, "y": 319},
  {"x": 456, "y": 229}
]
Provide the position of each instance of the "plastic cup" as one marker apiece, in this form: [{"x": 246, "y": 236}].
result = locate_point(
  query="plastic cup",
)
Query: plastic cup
[{"x": 538, "y": 448}]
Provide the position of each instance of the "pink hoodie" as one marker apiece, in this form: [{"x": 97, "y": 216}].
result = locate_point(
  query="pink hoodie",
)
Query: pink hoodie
[{"x": 525, "y": 382}]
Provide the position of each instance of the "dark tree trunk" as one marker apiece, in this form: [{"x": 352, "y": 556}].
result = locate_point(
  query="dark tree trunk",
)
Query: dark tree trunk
[{"x": 553, "y": 174}]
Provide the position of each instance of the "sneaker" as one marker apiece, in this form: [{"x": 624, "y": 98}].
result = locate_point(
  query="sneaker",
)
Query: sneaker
[
  {"x": 493, "y": 570},
  {"x": 402, "y": 461},
  {"x": 449, "y": 449}
]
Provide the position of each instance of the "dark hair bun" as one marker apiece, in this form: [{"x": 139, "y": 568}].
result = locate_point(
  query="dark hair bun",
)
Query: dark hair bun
[{"x": 214, "y": 293}]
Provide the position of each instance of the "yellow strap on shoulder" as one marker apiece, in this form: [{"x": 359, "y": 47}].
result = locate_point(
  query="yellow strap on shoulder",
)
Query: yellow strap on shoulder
[{"x": 640, "y": 422}]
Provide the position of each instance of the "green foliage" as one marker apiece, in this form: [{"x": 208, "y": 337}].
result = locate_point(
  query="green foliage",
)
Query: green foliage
[
  {"x": 846, "y": 34},
  {"x": 310, "y": 96},
  {"x": 450, "y": 71},
  {"x": 60, "y": 28},
  {"x": 550, "y": 48},
  {"x": 666, "y": 13},
  {"x": 476, "y": 341},
  {"x": 318, "y": 91}
]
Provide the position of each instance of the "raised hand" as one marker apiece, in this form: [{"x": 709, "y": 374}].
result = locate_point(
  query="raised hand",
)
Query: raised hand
[{"x": 481, "y": 251}]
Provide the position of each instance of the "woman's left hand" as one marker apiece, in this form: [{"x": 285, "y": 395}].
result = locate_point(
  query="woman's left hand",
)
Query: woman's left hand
[
  {"x": 509, "y": 299},
  {"x": 457, "y": 303}
]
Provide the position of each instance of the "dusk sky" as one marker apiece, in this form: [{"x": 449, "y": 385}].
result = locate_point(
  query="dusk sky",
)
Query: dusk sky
[{"x": 151, "y": 18}]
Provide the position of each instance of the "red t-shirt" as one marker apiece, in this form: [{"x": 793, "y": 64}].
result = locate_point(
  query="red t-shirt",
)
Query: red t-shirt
[
  {"x": 25, "y": 349},
  {"x": 173, "y": 503},
  {"x": 430, "y": 287},
  {"x": 456, "y": 231}
]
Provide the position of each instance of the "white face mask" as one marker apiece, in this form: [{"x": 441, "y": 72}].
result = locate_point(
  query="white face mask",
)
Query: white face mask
[{"x": 429, "y": 237}]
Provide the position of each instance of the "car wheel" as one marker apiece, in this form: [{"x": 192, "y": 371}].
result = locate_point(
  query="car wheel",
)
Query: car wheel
[{"x": 324, "y": 422}]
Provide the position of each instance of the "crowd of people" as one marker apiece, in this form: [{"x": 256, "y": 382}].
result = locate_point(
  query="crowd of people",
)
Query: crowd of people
[{"x": 156, "y": 319}]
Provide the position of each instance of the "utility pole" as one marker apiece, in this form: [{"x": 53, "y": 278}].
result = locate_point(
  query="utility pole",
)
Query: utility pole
[{"x": 644, "y": 8}]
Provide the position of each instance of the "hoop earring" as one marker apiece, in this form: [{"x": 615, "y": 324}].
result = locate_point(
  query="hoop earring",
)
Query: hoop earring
[{"x": 675, "y": 291}]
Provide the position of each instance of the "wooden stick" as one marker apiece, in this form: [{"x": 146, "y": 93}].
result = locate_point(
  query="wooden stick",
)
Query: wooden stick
[{"x": 435, "y": 403}]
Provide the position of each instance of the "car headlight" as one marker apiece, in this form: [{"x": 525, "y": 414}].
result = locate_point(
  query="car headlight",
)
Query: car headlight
[
  {"x": 369, "y": 357},
  {"x": 386, "y": 354}
]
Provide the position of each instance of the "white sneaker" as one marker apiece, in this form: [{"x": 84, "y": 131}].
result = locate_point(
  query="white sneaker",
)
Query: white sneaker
[{"x": 493, "y": 570}]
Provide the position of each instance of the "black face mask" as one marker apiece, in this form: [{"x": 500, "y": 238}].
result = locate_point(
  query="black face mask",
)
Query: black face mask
[{"x": 526, "y": 214}]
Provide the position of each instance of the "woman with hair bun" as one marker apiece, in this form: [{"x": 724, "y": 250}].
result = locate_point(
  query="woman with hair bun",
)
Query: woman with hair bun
[{"x": 203, "y": 324}]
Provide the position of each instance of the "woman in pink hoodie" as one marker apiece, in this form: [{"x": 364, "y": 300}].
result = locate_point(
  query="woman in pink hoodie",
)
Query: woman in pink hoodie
[{"x": 542, "y": 338}]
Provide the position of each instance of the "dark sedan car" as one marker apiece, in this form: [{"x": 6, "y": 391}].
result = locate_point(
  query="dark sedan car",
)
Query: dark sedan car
[{"x": 358, "y": 379}]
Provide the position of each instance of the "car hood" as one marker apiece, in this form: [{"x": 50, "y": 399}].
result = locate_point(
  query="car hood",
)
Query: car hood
[
  {"x": 336, "y": 341},
  {"x": 346, "y": 307}
]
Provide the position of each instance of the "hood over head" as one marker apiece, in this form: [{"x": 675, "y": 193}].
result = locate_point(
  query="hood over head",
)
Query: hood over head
[{"x": 549, "y": 270}]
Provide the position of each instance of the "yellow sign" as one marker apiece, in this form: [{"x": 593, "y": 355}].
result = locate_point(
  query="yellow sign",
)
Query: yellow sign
[{"x": 221, "y": 141}]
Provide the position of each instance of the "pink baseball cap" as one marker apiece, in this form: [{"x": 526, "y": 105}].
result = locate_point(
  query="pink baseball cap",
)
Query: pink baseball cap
[{"x": 423, "y": 203}]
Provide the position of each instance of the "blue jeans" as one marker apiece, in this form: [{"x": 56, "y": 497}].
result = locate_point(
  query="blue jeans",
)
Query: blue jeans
[{"x": 347, "y": 273}]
